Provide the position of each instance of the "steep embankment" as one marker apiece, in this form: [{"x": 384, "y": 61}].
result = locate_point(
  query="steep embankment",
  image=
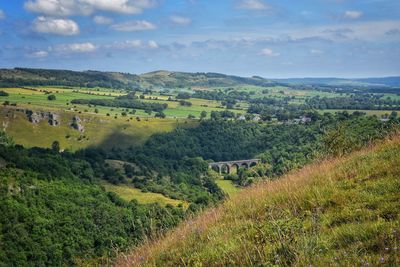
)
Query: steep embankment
[{"x": 342, "y": 212}]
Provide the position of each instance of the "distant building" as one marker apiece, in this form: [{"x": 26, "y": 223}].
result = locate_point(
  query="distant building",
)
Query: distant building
[
  {"x": 241, "y": 118},
  {"x": 256, "y": 117},
  {"x": 304, "y": 119}
]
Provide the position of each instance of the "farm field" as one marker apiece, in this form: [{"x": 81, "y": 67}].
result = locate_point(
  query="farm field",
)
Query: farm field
[
  {"x": 114, "y": 126},
  {"x": 37, "y": 99}
]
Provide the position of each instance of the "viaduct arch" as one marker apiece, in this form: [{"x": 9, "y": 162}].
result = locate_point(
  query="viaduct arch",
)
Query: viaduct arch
[{"x": 227, "y": 166}]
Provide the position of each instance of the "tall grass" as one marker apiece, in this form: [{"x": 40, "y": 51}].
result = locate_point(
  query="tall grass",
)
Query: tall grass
[{"x": 336, "y": 212}]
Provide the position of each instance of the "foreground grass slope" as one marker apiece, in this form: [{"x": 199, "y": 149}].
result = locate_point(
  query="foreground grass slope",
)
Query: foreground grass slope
[{"x": 342, "y": 212}]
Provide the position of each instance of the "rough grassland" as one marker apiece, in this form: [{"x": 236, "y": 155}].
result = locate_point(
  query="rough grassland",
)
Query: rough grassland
[
  {"x": 99, "y": 130},
  {"x": 338, "y": 212}
]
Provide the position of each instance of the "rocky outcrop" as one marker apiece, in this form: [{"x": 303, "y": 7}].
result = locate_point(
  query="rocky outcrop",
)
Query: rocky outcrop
[
  {"x": 77, "y": 124},
  {"x": 54, "y": 119},
  {"x": 36, "y": 117}
]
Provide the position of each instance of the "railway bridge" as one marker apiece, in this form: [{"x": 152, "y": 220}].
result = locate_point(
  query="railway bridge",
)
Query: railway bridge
[{"x": 227, "y": 166}]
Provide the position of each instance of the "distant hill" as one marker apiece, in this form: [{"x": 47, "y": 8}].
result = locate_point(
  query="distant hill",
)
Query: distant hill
[
  {"x": 163, "y": 79},
  {"x": 343, "y": 211},
  {"x": 35, "y": 77},
  {"x": 199, "y": 79},
  {"x": 384, "y": 81}
]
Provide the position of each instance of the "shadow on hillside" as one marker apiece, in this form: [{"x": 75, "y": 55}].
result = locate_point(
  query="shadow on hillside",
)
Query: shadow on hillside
[{"x": 118, "y": 139}]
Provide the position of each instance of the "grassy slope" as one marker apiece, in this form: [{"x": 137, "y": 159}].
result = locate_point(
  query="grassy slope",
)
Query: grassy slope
[
  {"x": 228, "y": 187},
  {"x": 99, "y": 130},
  {"x": 128, "y": 193},
  {"x": 337, "y": 212}
]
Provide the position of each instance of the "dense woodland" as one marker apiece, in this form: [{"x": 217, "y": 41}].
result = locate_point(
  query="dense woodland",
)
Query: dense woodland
[
  {"x": 122, "y": 103},
  {"x": 54, "y": 214},
  {"x": 360, "y": 101}
]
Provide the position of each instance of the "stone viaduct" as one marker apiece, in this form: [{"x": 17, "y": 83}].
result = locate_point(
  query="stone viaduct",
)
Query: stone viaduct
[{"x": 227, "y": 166}]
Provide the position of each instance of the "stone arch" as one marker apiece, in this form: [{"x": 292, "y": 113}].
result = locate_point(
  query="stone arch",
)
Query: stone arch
[
  {"x": 253, "y": 163},
  {"x": 216, "y": 168},
  {"x": 235, "y": 167},
  {"x": 244, "y": 165},
  {"x": 225, "y": 168}
]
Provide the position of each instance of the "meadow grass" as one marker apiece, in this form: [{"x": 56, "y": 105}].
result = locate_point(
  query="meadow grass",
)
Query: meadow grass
[
  {"x": 129, "y": 193},
  {"x": 336, "y": 212},
  {"x": 100, "y": 131},
  {"x": 227, "y": 186}
]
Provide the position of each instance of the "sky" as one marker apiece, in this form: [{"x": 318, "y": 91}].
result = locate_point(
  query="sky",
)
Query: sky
[{"x": 268, "y": 38}]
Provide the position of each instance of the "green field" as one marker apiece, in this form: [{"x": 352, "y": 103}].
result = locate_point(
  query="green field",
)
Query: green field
[
  {"x": 228, "y": 187},
  {"x": 100, "y": 130},
  {"x": 129, "y": 193},
  {"x": 36, "y": 98}
]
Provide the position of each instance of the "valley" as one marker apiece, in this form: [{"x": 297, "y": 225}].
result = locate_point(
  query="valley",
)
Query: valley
[{"x": 144, "y": 148}]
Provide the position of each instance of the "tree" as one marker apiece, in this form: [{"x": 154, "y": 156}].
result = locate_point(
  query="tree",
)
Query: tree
[
  {"x": 160, "y": 115},
  {"x": 96, "y": 110},
  {"x": 55, "y": 146},
  {"x": 2, "y": 93},
  {"x": 5, "y": 139},
  {"x": 183, "y": 95},
  {"x": 51, "y": 97},
  {"x": 203, "y": 115}
]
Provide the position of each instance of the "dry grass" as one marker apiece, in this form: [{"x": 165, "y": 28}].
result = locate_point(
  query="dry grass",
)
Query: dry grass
[{"x": 341, "y": 211}]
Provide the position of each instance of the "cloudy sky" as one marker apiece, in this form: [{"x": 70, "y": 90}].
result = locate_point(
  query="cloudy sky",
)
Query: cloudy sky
[{"x": 270, "y": 38}]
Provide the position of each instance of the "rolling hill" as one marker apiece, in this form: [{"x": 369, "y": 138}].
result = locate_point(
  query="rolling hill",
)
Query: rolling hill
[
  {"x": 341, "y": 211},
  {"x": 164, "y": 79}
]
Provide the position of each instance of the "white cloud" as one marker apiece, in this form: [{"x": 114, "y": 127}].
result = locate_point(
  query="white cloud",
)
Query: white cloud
[
  {"x": 135, "y": 44},
  {"x": 102, "y": 20},
  {"x": 352, "y": 14},
  {"x": 57, "y": 7},
  {"x": 131, "y": 44},
  {"x": 316, "y": 51},
  {"x": 39, "y": 54},
  {"x": 269, "y": 53},
  {"x": 152, "y": 44},
  {"x": 76, "y": 48},
  {"x": 2, "y": 14},
  {"x": 179, "y": 20},
  {"x": 87, "y": 7},
  {"x": 131, "y": 26},
  {"x": 55, "y": 26},
  {"x": 252, "y": 4}
]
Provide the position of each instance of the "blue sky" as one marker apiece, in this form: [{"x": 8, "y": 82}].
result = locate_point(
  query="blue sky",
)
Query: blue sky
[{"x": 270, "y": 38}]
